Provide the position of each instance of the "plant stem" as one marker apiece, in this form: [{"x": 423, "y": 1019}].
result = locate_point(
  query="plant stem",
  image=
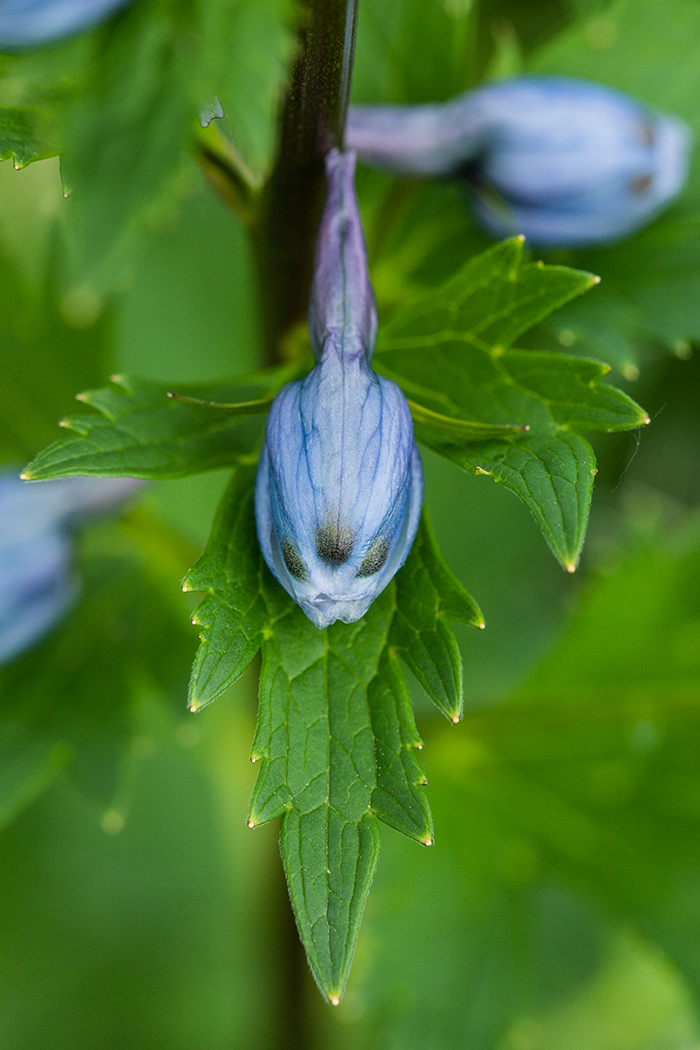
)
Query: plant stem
[{"x": 312, "y": 123}]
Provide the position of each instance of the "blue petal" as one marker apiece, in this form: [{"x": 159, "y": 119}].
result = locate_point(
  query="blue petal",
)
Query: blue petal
[
  {"x": 25, "y": 23},
  {"x": 563, "y": 161},
  {"x": 37, "y": 582},
  {"x": 339, "y": 486}
]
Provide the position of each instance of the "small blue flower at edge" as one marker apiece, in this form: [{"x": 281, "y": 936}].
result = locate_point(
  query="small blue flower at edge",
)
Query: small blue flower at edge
[
  {"x": 29, "y": 23},
  {"x": 340, "y": 484},
  {"x": 562, "y": 161},
  {"x": 37, "y": 580}
]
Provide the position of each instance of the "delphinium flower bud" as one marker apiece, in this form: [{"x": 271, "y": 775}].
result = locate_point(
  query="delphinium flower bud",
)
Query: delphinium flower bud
[
  {"x": 37, "y": 580},
  {"x": 340, "y": 484},
  {"x": 28, "y": 23},
  {"x": 563, "y": 161}
]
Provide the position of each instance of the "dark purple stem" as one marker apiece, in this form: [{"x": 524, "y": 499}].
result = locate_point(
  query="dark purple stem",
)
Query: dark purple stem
[{"x": 312, "y": 122}]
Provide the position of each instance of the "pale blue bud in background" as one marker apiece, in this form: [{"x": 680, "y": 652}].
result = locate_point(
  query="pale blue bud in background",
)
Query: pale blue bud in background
[
  {"x": 37, "y": 580},
  {"x": 564, "y": 162},
  {"x": 340, "y": 484},
  {"x": 27, "y": 23}
]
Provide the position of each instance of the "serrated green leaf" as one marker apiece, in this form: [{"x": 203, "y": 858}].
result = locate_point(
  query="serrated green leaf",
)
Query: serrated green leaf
[
  {"x": 426, "y": 595},
  {"x": 329, "y": 863},
  {"x": 335, "y": 734},
  {"x": 397, "y": 799},
  {"x": 452, "y": 352},
  {"x": 143, "y": 433},
  {"x": 492, "y": 300},
  {"x": 234, "y": 616},
  {"x": 316, "y": 741}
]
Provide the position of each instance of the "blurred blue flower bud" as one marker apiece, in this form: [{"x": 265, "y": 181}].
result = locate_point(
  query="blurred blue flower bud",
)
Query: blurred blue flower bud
[
  {"x": 340, "y": 483},
  {"x": 37, "y": 581},
  {"x": 564, "y": 162},
  {"x": 27, "y": 23}
]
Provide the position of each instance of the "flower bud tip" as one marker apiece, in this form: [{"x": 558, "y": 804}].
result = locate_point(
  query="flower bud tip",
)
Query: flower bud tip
[
  {"x": 456, "y": 718},
  {"x": 334, "y": 1000},
  {"x": 570, "y": 566},
  {"x": 428, "y": 840}
]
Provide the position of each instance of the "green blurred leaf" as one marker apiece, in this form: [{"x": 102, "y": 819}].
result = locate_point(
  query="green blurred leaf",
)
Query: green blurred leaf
[
  {"x": 142, "y": 432},
  {"x": 69, "y": 701},
  {"x": 247, "y": 45},
  {"x": 125, "y": 131},
  {"x": 20, "y": 137},
  {"x": 452, "y": 351},
  {"x": 49, "y": 346}
]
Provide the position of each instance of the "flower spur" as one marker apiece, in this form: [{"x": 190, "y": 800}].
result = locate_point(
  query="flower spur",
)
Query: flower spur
[{"x": 340, "y": 483}]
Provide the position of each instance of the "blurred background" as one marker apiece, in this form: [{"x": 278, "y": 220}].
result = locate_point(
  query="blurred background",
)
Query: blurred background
[{"x": 560, "y": 906}]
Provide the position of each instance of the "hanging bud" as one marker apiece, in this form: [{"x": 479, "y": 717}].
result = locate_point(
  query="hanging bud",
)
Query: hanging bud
[
  {"x": 28, "y": 23},
  {"x": 37, "y": 580},
  {"x": 562, "y": 161},
  {"x": 340, "y": 484}
]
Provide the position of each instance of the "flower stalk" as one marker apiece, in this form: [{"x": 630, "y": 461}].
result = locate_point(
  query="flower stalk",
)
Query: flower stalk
[{"x": 312, "y": 122}]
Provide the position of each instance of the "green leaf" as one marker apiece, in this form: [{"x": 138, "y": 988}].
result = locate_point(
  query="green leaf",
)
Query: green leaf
[
  {"x": 20, "y": 137},
  {"x": 427, "y": 595},
  {"x": 316, "y": 743},
  {"x": 461, "y": 429},
  {"x": 452, "y": 350},
  {"x": 234, "y": 617},
  {"x": 335, "y": 736},
  {"x": 247, "y": 46},
  {"x": 44, "y": 359},
  {"x": 108, "y": 647},
  {"x": 397, "y": 799},
  {"x": 144, "y": 433},
  {"x": 126, "y": 130}
]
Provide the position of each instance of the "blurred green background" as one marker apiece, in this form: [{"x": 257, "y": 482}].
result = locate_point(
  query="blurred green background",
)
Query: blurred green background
[{"x": 560, "y": 906}]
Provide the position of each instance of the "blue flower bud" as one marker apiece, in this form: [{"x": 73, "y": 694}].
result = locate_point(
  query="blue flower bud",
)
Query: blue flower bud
[
  {"x": 27, "y": 23},
  {"x": 37, "y": 581},
  {"x": 564, "y": 162},
  {"x": 340, "y": 484}
]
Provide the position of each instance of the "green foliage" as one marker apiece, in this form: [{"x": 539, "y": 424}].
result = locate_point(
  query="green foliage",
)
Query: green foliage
[
  {"x": 41, "y": 337},
  {"x": 120, "y": 638},
  {"x": 20, "y": 138},
  {"x": 335, "y": 734},
  {"x": 572, "y": 806},
  {"x": 453, "y": 351},
  {"x": 143, "y": 433}
]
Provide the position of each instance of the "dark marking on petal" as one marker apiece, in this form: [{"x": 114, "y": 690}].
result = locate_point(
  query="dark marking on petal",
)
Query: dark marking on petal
[
  {"x": 292, "y": 560},
  {"x": 647, "y": 133},
  {"x": 375, "y": 557},
  {"x": 334, "y": 544},
  {"x": 640, "y": 184}
]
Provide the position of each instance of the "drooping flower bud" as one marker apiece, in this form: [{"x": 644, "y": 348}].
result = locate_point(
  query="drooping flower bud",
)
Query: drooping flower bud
[
  {"x": 37, "y": 580},
  {"x": 564, "y": 162},
  {"x": 340, "y": 484},
  {"x": 28, "y": 23}
]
